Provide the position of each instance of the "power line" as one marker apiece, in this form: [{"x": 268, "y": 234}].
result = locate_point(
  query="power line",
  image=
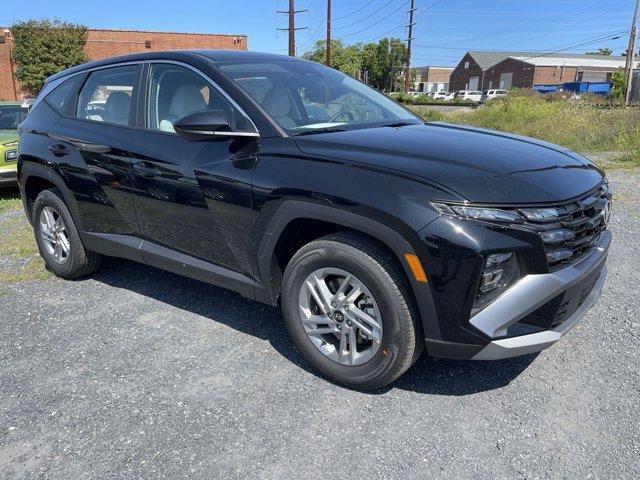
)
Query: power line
[
  {"x": 377, "y": 22},
  {"x": 368, "y": 16},
  {"x": 355, "y": 11}
]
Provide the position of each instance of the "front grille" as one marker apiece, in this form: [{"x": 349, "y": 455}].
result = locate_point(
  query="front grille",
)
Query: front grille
[{"x": 584, "y": 219}]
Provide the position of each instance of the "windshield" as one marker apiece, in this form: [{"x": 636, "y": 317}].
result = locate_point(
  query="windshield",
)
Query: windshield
[
  {"x": 305, "y": 97},
  {"x": 11, "y": 116}
]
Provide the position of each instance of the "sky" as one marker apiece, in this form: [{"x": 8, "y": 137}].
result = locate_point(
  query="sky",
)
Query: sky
[{"x": 443, "y": 31}]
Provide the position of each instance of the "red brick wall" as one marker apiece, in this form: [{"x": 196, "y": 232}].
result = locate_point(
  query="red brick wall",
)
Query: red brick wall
[
  {"x": 460, "y": 75},
  {"x": 109, "y": 43},
  {"x": 6, "y": 84},
  {"x": 554, "y": 75},
  {"x": 526, "y": 75}
]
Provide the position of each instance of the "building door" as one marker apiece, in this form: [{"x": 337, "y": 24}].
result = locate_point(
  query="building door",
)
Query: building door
[
  {"x": 473, "y": 83},
  {"x": 505, "y": 80}
]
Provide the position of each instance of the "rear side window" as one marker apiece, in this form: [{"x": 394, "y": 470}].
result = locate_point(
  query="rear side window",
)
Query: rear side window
[
  {"x": 106, "y": 96},
  {"x": 60, "y": 96}
]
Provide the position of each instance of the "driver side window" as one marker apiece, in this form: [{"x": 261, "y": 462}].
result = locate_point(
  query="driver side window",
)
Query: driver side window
[{"x": 175, "y": 91}]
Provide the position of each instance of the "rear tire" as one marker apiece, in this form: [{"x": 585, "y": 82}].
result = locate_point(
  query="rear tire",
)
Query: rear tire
[
  {"x": 385, "y": 338},
  {"x": 58, "y": 238}
]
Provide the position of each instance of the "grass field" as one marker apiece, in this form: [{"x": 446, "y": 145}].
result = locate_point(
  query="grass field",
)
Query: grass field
[
  {"x": 580, "y": 126},
  {"x": 19, "y": 258}
]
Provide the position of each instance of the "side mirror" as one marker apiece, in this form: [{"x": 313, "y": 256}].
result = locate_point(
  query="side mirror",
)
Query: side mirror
[{"x": 207, "y": 124}]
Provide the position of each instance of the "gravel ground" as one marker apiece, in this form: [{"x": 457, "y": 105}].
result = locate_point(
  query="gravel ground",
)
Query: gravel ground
[{"x": 138, "y": 373}]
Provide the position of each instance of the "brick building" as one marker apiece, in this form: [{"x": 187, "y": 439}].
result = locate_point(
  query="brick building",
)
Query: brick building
[
  {"x": 485, "y": 70},
  {"x": 109, "y": 43}
]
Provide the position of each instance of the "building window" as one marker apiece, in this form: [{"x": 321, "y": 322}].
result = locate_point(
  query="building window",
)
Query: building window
[{"x": 466, "y": 65}]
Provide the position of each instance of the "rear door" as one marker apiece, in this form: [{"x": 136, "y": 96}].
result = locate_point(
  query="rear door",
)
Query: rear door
[
  {"x": 193, "y": 197},
  {"x": 91, "y": 145}
]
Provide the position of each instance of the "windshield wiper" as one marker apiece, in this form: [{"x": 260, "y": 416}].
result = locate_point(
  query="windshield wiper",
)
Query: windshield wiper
[
  {"x": 320, "y": 130},
  {"x": 399, "y": 124}
]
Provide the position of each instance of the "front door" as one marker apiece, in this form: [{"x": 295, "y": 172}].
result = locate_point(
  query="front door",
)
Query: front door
[{"x": 192, "y": 196}]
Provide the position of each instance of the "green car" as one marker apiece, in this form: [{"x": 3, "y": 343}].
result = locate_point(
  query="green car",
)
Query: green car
[{"x": 11, "y": 114}]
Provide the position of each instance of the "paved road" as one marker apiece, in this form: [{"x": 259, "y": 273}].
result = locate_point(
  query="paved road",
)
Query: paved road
[{"x": 137, "y": 373}]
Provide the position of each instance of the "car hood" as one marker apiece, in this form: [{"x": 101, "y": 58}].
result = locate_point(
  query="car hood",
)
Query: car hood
[
  {"x": 8, "y": 136},
  {"x": 483, "y": 166}
]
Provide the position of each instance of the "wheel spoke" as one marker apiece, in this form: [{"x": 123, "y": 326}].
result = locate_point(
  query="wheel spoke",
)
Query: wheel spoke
[
  {"x": 353, "y": 352},
  {"x": 355, "y": 292},
  {"x": 47, "y": 236},
  {"x": 343, "y": 286},
  {"x": 319, "y": 320},
  {"x": 364, "y": 317},
  {"x": 342, "y": 349},
  {"x": 322, "y": 331},
  {"x": 323, "y": 296},
  {"x": 48, "y": 218},
  {"x": 64, "y": 243},
  {"x": 57, "y": 252},
  {"x": 319, "y": 300},
  {"x": 58, "y": 226}
]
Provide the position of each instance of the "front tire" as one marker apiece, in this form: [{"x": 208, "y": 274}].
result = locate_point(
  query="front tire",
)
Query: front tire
[
  {"x": 58, "y": 238},
  {"x": 349, "y": 312}
]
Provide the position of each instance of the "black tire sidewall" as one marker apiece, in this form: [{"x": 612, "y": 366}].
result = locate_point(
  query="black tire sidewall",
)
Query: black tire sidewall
[
  {"x": 50, "y": 198},
  {"x": 392, "y": 349}
]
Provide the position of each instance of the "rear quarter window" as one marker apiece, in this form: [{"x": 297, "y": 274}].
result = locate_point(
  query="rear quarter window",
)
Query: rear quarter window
[{"x": 61, "y": 96}]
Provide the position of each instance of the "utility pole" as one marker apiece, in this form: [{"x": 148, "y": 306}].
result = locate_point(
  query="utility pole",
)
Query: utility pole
[
  {"x": 407, "y": 66},
  {"x": 631, "y": 53},
  {"x": 292, "y": 26},
  {"x": 328, "y": 47}
]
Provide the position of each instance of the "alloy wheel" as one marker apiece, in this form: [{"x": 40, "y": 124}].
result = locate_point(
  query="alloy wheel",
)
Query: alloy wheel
[
  {"x": 53, "y": 232},
  {"x": 340, "y": 316}
]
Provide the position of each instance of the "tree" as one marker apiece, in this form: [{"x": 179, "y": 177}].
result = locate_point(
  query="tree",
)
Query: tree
[
  {"x": 384, "y": 63},
  {"x": 380, "y": 64},
  {"x": 618, "y": 84},
  {"x": 347, "y": 59},
  {"x": 602, "y": 51},
  {"x": 44, "y": 47}
]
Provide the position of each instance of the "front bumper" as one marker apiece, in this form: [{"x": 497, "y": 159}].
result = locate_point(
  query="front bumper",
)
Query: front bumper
[
  {"x": 8, "y": 177},
  {"x": 580, "y": 285}
]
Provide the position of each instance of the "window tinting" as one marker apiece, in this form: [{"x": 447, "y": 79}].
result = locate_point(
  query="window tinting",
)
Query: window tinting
[
  {"x": 176, "y": 91},
  {"x": 59, "y": 96},
  {"x": 106, "y": 95}
]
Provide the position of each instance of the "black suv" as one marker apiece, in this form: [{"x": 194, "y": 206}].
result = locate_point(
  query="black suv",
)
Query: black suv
[{"x": 295, "y": 185}]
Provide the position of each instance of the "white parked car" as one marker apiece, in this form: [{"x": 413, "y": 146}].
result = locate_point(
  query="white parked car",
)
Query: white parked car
[
  {"x": 471, "y": 95},
  {"x": 443, "y": 95},
  {"x": 489, "y": 94}
]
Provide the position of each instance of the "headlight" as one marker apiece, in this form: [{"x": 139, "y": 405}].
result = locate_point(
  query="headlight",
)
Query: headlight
[
  {"x": 542, "y": 214},
  {"x": 480, "y": 213},
  {"x": 11, "y": 155},
  {"x": 499, "y": 272}
]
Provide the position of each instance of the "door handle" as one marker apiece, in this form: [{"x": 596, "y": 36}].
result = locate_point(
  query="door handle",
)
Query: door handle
[
  {"x": 145, "y": 170},
  {"x": 59, "y": 150}
]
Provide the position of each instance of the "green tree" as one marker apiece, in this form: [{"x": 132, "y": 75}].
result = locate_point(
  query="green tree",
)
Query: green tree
[
  {"x": 384, "y": 62},
  {"x": 347, "y": 59},
  {"x": 618, "y": 84},
  {"x": 602, "y": 51},
  {"x": 379, "y": 64},
  {"x": 44, "y": 47}
]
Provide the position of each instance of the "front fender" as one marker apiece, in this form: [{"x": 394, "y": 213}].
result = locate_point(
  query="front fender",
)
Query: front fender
[{"x": 291, "y": 210}]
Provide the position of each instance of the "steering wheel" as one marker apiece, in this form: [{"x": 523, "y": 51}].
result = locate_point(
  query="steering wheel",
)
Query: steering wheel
[{"x": 342, "y": 114}]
